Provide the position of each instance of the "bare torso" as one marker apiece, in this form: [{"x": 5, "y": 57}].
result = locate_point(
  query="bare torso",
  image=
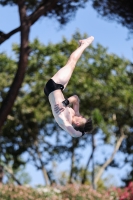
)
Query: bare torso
[{"x": 56, "y": 97}]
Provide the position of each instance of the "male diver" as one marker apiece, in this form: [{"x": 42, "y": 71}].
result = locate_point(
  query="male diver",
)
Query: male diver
[{"x": 69, "y": 119}]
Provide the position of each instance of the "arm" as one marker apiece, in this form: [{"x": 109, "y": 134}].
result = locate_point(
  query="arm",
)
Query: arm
[
  {"x": 69, "y": 128},
  {"x": 74, "y": 100}
]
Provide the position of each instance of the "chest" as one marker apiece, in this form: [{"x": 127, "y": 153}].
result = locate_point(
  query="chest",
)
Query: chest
[{"x": 66, "y": 115}]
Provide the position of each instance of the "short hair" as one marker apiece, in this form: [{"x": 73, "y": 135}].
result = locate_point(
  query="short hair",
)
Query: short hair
[{"x": 87, "y": 127}]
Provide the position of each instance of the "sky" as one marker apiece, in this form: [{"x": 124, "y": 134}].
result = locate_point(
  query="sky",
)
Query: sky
[{"x": 109, "y": 34}]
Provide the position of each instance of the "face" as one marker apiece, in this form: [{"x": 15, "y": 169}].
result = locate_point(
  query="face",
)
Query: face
[{"x": 79, "y": 120}]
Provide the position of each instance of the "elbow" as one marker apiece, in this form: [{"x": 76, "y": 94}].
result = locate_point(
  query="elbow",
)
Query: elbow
[
  {"x": 76, "y": 97},
  {"x": 76, "y": 135}
]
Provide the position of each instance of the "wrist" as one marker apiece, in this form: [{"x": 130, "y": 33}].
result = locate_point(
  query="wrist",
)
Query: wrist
[{"x": 65, "y": 102}]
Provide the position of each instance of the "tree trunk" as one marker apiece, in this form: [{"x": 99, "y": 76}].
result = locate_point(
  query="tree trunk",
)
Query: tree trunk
[
  {"x": 72, "y": 166},
  {"x": 45, "y": 175},
  {"x": 90, "y": 157},
  {"x": 44, "y": 171},
  {"x": 24, "y": 28},
  {"x": 23, "y": 61},
  {"x": 72, "y": 161},
  {"x": 93, "y": 164},
  {"x": 1, "y": 174}
]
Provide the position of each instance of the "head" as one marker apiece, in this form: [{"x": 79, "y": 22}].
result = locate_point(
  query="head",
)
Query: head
[{"x": 82, "y": 124}]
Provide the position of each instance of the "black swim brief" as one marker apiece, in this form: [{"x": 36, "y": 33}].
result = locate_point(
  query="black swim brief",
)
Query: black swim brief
[{"x": 52, "y": 86}]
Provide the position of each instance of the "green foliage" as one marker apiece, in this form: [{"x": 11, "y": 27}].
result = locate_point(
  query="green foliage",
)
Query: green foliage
[
  {"x": 97, "y": 116},
  {"x": 7, "y": 70}
]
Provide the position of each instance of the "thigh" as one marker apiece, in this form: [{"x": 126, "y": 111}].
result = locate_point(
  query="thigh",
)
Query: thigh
[{"x": 63, "y": 75}]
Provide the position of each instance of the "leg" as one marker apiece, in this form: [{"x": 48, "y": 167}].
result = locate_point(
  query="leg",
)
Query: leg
[{"x": 64, "y": 74}]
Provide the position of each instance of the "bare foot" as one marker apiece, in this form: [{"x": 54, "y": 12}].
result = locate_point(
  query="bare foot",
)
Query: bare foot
[{"x": 87, "y": 41}]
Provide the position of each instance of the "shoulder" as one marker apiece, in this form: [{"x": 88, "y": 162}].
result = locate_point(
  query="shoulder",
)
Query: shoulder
[
  {"x": 67, "y": 126},
  {"x": 72, "y": 112},
  {"x": 70, "y": 129}
]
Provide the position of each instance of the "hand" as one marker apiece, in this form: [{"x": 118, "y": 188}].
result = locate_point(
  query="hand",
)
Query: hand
[{"x": 58, "y": 108}]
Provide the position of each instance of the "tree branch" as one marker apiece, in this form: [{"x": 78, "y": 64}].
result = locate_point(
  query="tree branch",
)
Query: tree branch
[
  {"x": 5, "y": 36},
  {"x": 37, "y": 14},
  {"x": 118, "y": 143},
  {"x": 9, "y": 171},
  {"x": 41, "y": 10}
]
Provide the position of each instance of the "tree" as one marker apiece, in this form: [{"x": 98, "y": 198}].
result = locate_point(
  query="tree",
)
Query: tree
[
  {"x": 1, "y": 174},
  {"x": 120, "y": 11},
  {"x": 29, "y": 13},
  {"x": 105, "y": 91}
]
